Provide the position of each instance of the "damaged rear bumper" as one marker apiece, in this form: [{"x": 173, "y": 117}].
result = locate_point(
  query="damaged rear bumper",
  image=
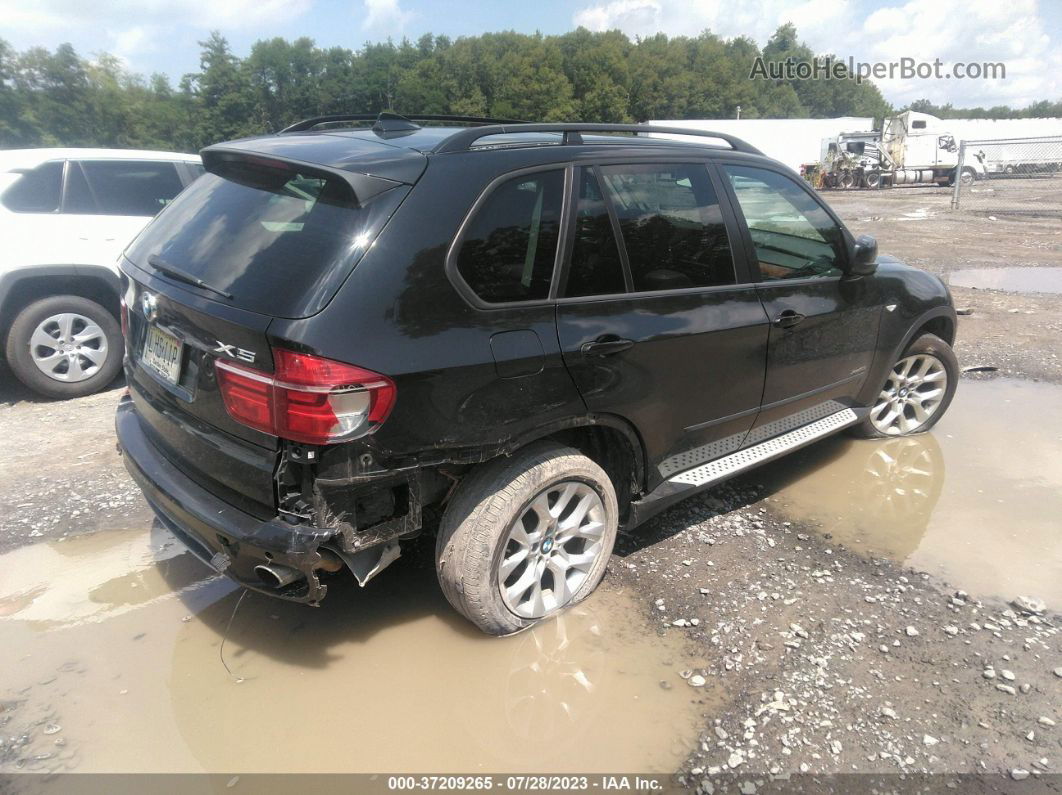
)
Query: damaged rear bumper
[{"x": 233, "y": 542}]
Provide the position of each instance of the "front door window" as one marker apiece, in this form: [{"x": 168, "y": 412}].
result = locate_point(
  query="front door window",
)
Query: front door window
[{"x": 795, "y": 238}]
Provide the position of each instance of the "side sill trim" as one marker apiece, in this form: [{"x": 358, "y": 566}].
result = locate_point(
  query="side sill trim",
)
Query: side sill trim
[
  {"x": 696, "y": 479},
  {"x": 730, "y": 465}
]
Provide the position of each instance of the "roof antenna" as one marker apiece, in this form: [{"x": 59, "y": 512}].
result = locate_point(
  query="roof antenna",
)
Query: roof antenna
[{"x": 388, "y": 124}]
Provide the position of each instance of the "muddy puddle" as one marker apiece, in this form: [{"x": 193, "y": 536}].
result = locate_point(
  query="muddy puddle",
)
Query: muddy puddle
[
  {"x": 1014, "y": 280},
  {"x": 978, "y": 501},
  {"x": 111, "y": 663}
]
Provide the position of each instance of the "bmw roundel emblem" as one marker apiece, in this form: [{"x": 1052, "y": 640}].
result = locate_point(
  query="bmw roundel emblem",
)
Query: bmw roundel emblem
[{"x": 149, "y": 306}]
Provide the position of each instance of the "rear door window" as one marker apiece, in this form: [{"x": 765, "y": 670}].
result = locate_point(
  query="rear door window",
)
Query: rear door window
[
  {"x": 279, "y": 240},
  {"x": 132, "y": 187},
  {"x": 595, "y": 267},
  {"x": 77, "y": 198},
  {"x": 36, "y": 191},
  {"x": 672, "y": 227},
  {"x": 509, "y": 246}
]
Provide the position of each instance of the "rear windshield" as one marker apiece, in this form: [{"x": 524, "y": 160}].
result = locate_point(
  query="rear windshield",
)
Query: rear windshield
[{"x": 280, "y": 243}]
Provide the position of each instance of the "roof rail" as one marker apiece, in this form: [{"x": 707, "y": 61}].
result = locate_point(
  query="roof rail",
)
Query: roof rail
[
  {"x": 385, "y": 117},
  {"x": 462, "y": 140}
]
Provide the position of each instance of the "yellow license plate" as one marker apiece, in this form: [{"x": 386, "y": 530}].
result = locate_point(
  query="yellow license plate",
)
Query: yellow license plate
[{"x": 162, "y": 354}]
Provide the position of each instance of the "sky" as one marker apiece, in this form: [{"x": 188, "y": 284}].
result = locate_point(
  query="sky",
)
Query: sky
[{"x": 162, "y": 35}]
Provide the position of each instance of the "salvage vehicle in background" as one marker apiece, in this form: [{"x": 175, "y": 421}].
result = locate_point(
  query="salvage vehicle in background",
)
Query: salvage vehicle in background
[
  {"x": 65, "y": 216},
  {"x": 912, "y": 148},
  {"x": 535, "y": 333}
]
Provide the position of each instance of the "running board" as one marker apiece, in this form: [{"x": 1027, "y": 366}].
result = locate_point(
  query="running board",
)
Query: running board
[{"x": 729, "y": 465}]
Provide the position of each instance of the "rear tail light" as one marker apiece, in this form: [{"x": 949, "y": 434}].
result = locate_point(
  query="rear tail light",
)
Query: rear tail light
[{"x": 307, "y": 398}]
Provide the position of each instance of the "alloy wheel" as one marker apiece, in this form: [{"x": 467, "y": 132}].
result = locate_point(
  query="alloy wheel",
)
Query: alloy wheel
[
  {"x": 68, "y": 347},
  {"x": 551, "y": 549},
  {"x": 912, "y": 394}
]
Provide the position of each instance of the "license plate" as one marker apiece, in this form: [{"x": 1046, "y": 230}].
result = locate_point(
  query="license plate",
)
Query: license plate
[{"x": 162, "y": 353}]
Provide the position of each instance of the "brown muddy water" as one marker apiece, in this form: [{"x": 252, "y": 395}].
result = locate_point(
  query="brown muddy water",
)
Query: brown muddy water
[
  {"x": 1013, "y": 280},
  {"x": 110, "y": 643},
  {"x": 111, "y": 662},
  {"x": 977, "y": 501}
]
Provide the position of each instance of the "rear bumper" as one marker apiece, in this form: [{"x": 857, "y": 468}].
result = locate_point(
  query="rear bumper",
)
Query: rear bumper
[{"x": 229, "y": 540}]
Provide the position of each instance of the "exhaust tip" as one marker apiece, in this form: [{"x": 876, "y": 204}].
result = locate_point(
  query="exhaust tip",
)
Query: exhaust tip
[{"x": 276, "y": 576}]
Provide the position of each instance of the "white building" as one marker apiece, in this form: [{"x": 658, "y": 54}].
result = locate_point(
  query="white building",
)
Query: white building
[
  {"x": 791, "y": 141},
  {"x": 995, "y": 129},
  {"x": 799, "y": 141}
]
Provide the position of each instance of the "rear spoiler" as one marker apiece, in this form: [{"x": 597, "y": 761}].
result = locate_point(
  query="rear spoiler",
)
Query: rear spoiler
[{"x": 364, "y": 186}]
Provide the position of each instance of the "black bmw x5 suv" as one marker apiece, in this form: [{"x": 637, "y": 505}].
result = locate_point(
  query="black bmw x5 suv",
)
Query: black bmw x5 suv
[{"x": 521, "y": 336}]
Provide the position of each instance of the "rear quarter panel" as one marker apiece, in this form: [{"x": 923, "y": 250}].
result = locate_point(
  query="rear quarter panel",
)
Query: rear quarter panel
[{"x": 398, "y": 314}]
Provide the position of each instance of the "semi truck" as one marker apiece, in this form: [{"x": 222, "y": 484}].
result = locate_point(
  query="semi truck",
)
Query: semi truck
[{"x": 911, "y": 148}]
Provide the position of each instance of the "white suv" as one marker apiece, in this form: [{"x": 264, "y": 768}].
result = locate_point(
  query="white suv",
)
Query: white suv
[{"x": 65, "y": 217}]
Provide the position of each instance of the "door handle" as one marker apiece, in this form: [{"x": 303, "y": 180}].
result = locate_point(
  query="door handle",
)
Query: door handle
[
  {"x": 788, "y": 319},
  {"x": 606, "y": 346}
]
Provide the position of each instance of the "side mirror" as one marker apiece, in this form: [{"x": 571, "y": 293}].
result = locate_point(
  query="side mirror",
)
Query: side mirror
[{"x": 863, "y": 258}]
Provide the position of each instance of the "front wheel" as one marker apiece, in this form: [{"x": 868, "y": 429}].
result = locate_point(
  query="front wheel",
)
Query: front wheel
[
  {"x": 526, "y": 537},
  {"x": 916, "y": 393}
]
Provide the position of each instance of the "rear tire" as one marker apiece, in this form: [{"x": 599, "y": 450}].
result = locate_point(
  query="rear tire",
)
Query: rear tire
[
  {"x": 526, "y": 537},
  {"x": 65, "y": 346},
  {"x": 916, "y": 393}
]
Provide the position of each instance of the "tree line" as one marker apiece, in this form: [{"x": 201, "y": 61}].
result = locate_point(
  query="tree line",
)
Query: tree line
[
  {"x": 59, "y": 98},
  {"x": 1044, "y": 109}
]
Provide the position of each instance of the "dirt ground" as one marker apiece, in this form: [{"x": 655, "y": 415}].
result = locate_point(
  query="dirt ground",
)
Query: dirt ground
[
  {"x": 805, "y": 653},
  {"x": 1017, "y": 333}
]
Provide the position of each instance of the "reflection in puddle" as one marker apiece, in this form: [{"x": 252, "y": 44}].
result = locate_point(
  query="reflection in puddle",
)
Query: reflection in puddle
[
  {"x": 977, "y": 501},
  {"x": 1015, "y": 280},
  {"x": 117, "y": 640},
  {"x": 93, "y": 577}
]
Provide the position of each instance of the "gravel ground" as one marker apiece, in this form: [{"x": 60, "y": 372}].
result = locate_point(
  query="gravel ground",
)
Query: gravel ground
[
  {"x": 1017, "y": 333},
  {"x": 62, "y": 475},
  {"x": 826, "y": 662}
]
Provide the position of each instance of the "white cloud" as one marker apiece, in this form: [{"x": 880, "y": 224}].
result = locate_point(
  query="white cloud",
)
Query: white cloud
[
  {"x": 755, "y": 18},
  {"x": 132, "y": 40},
  {"x": 137, "y": 31},
  {"x": 1011, "y": 31},
  {"x": 385, "y": 17},
  {"x": 17, "y": 17},
  {"x": 641, "y": 15},
  {"x": 71, "y": 15},
  {"x": 967, "y": 31}
]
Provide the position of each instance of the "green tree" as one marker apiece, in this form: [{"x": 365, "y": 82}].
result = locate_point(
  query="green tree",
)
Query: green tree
[
  {"x": 14, "y": 131},
  {"x": 55, "y": 90},
  {"x": 529, "y": 83},
  {"x": 335, "y": 87},
  {"x": 225, "y": 106},
  {"x": 597, "y": 65},
  {"x": 285, "y": 79},
  {"x": 660, "y": 79},
  {"x": 58, "y": 98}
]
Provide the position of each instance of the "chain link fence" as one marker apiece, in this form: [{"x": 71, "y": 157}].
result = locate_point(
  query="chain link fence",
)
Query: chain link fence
[{"x": 1012, "y": 176}]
